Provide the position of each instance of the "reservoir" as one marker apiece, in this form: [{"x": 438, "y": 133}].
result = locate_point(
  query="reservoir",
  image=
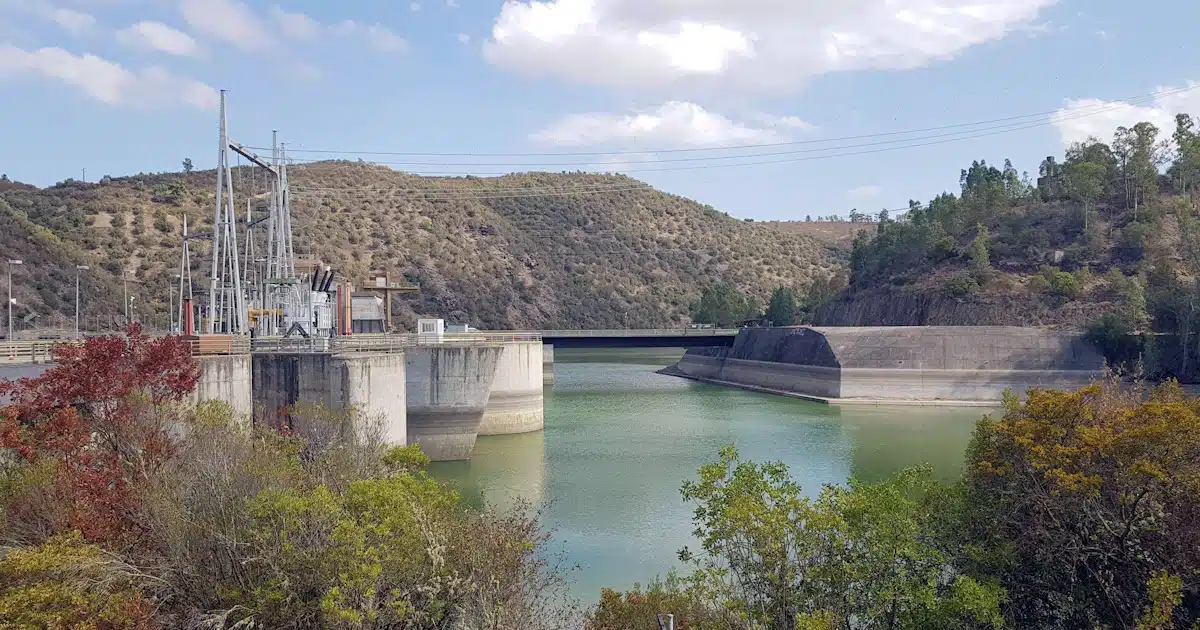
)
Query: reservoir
[{"x": 620, "y": 440}]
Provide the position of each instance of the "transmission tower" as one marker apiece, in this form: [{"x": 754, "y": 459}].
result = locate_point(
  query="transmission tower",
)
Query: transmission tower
[
  {"x": 226, "y": 300},
  {"x": 185, "y": 279}
]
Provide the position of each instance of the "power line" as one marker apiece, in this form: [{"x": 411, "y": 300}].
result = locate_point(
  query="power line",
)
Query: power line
[
  {"x": 531, "y": 192},
  {"x": 1102, "y": 107},
  {"x": 830, "y": 152}
]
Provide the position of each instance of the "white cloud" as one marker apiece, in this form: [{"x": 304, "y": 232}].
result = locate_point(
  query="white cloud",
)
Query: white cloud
[
  {"x": 754, "y": 43},
  {"x": 379, "y": 36},
  {"x": 415, "y": 6},
  {"x": 227, "y": 20},
  {"x": 75, "y": 22},
  {"x": 463, "y": 38},
  {"x": 863, "y": 193},
  {"x": 453, "y": 4},
  {"x": 622, "y": 163},
  {"x": 158, "y": 36},
  {"x": 1081, "y": 118},
  {"x": 674, "y": 123},
  {"x": 107, "y": 81},
  {"x": 295, "y": 25},
  {"x": 72, "y": 21}
]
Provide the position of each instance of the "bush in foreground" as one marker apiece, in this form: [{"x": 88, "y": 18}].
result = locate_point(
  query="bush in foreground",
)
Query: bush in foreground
[
  {"x": 125, "y": 506},
  {"x": 1076, "y": 510}
]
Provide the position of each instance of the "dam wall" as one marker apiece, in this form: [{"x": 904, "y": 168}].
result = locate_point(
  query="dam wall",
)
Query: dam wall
[
  {"x": 915, "y": 363},
  {"x": 447, "y": 390},
  {"x": 371, "y": 383},
  {"x": 515, "y": 401},
  {"x": 223, "y": 378},
  {"x": 547, "y": 364},
  {"x": 227, "y": 379}
]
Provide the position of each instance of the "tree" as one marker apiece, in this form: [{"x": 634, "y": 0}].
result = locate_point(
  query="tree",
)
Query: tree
[
  {"x": 1186, "y": 168},
  {"x": 1078, "y": 501},
  {"x": 781, "y": 310},
  {"x": 100, "y": 425},
  {"x": 1139, "y": 155},
  {"x": 981, "y": 265},
  {"x": 1085, "y": 182},
  {"x": 723, "y": 305},
  {"x": 187, "y": 165},
  {"x": 771, "y": 558}
]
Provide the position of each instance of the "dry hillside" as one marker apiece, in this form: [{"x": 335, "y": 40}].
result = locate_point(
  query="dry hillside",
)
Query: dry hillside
[
  {"x": 534, "y": 250},
  {"x": 839, "y": 233}
]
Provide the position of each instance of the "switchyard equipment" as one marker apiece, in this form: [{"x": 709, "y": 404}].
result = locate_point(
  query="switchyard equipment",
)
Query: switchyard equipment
[{"x": 267, "y": 295}]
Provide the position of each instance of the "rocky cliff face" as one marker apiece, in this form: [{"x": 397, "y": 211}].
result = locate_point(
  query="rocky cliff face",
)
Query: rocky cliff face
[{"x": 902, "y": 308}]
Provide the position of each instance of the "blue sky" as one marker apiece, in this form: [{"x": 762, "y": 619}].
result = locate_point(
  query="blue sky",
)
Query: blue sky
[{"x": 122, "y": 86}]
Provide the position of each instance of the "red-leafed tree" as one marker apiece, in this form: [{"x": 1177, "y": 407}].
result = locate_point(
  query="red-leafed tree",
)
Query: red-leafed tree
[{"x": 93, "y": 429}]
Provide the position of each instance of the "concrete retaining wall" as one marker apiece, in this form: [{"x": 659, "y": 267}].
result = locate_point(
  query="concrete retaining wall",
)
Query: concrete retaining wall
[
  {"x": 547, "y": 364},
  {"x": 371, "y": 382},
  {"x": 918, "y": 363},
  {"x": 226, "y": 378},
  {"x": 447, "y": 391},
  {"x": 515, "y": 402}
]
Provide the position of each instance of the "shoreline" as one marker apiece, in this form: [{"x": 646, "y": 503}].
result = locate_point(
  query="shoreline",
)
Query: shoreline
[{"x": 672, "y": 370}]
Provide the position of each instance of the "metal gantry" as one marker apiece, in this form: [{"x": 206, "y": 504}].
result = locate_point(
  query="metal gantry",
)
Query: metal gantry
[{"x": 248, "y": 291}]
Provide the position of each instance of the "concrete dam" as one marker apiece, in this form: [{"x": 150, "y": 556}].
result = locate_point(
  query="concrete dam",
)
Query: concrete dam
[
  {"x": 438, "y": 395},
  {"x": 894, "y": 365}
]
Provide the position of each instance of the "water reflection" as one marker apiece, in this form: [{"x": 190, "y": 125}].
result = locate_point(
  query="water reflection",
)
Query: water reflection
[{"x": 620, "y": 440}]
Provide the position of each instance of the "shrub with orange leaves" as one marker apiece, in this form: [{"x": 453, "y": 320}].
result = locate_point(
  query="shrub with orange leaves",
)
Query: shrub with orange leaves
[
  {"x": 89, "y": 432},
  {"x": 1077, "y": 500}
]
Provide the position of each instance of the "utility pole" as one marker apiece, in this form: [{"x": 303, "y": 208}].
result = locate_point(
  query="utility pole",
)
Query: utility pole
[
  {"x": 11, "y": 262},
  {"x": 78, "y": 269}
]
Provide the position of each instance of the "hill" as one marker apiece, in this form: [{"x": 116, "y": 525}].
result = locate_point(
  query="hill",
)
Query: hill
[
  {"x": 535, "y": 250},
  {"x": 837, "y": 233},
  {"x": 1107, "y": 239}
]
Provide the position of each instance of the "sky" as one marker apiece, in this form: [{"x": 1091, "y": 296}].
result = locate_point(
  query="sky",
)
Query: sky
[{"x": 765, "y": 109}]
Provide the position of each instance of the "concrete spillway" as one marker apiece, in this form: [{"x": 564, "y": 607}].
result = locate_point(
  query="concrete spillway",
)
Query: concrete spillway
[
  {"x": 515, "y": 402},
  {"x": 447, "y": 391},
  {"x": 372, "y": 383},
  {"x": 917, "y": 363}
]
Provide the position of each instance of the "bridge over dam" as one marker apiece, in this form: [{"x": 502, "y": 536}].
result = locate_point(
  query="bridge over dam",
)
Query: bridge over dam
[
  {"x": 627, "y": 338},
  {"x": 443, "y": 391}
]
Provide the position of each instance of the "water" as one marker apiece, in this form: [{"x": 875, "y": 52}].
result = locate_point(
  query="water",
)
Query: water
[{"x": 620, "y": 440}]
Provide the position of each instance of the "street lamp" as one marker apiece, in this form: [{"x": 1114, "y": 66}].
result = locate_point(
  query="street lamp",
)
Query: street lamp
[
  {"x": 10, "y": 297},
  {"x": 78, "y": 269}
]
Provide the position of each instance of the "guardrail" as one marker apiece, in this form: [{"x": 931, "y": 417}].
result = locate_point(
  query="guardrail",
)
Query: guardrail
[
  {"x": 649, "y": 332},
  {"x": 27, "y": 352},
  {"x": 384, "y": 343}
]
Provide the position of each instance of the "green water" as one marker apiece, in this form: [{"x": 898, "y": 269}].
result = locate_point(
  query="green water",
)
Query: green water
[{"x": 620, "y": 440}]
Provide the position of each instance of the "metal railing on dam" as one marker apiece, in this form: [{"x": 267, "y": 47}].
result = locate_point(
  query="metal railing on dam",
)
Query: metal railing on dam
[
  {"x": 24, "y": 352},
  {"x": 385, "y": 343},
  {"x": 646, "y": 332}
]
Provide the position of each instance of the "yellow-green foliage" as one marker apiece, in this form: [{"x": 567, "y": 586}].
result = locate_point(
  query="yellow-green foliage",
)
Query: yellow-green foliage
[{"x": 65, "y": 583}]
